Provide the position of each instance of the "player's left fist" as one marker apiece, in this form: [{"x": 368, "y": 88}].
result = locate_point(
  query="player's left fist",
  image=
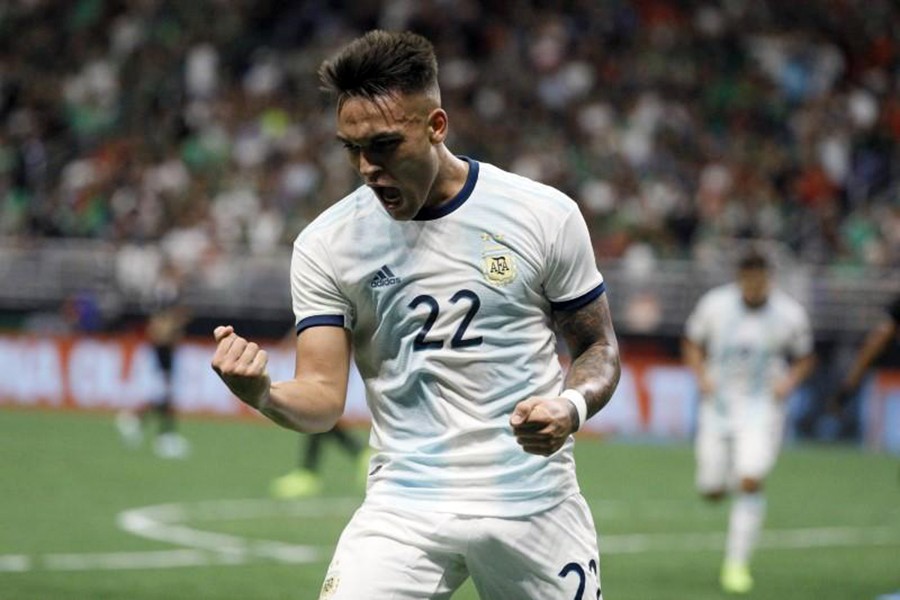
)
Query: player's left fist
[{"x": 543, "y": 424}]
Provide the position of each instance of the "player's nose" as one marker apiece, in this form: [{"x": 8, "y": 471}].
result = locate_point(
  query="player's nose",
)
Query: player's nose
[{"x": 367, "y": 167}]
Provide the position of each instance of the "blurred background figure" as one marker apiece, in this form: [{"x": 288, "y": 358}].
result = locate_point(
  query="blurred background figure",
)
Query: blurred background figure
[
  {"x": 875, "y": 345},
  {"x": 306, "y": 479},
  {"x": 165, "y": 328},
  {"x": 736, "y": 342}
]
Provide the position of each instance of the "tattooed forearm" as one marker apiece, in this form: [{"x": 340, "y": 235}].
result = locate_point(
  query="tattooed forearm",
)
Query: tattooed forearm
[
  {"x": 595, "y": 368},
  {"x": 595, "y": 373}
]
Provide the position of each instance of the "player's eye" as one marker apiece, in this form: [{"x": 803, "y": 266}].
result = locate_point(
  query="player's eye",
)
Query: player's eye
[{"x": 382, "y": 146}]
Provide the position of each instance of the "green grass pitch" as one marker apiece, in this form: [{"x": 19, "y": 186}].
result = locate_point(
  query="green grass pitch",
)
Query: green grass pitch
[{"x": 70, "y": 490}]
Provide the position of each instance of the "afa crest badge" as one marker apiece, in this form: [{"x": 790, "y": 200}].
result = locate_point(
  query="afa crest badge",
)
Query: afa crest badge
[{"x": 497, "y": 263}]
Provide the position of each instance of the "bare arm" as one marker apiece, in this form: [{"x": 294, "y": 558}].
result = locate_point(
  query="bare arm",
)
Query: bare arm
[
  {"x": 313, "y": 400},
  {"x": 542, "y": 425},
  {"x": 695, "y": 359},
  {"x": 797, "y": 374},
  {"x": 595, "y": 368},
  {"x": 875, "y": 343}
]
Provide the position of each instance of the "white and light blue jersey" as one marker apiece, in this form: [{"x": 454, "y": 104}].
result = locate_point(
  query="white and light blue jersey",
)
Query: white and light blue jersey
[
  {"x": 747, "y": 349},
  {"x": 450, "y": 316}
]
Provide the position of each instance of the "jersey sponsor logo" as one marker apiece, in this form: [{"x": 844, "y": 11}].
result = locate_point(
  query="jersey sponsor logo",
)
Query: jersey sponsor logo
[
  {"x": 497, "y": 263},
  {"x": 384, "y": 277}
]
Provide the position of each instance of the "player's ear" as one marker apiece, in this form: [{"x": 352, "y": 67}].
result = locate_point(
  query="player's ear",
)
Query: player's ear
[{"x": 437, "y": 125}]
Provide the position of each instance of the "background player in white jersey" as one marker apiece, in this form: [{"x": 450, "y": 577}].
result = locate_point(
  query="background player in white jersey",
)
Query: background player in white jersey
[
  {"x": 749, "y": 346},
  {"x": 445, "y": 276}
]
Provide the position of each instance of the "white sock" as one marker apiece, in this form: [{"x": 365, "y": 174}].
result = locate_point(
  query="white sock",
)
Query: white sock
[{"x": 747, "y": 514}]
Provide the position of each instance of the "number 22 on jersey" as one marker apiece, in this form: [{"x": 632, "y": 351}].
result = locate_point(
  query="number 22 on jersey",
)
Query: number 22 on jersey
[{"x": 459, "y": 339}]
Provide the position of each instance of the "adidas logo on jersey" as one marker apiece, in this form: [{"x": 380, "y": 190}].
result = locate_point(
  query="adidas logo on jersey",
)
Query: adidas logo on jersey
[{"x": 384, "y": 277}]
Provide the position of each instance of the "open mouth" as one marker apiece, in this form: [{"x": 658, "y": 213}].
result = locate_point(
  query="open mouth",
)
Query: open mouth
[{"x": 389, "y": 196}]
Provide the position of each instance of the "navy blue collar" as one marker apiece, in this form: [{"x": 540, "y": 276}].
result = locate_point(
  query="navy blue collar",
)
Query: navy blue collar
[{"x": 428, "y": 214}]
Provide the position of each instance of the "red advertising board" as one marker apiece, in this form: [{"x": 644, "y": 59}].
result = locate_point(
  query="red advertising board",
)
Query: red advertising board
[{"x": 656, "y": 397}]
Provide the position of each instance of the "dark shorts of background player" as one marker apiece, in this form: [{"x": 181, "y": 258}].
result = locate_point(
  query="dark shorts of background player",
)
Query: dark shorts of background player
[{"x": 164, "y": 356}]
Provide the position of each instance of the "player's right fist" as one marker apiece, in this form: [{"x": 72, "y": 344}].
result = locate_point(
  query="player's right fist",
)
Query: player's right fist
[{"x": 241, "y": 365}]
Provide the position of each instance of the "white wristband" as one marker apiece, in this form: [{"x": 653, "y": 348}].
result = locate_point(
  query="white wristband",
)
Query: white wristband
[{"x": 580, "y": 404}]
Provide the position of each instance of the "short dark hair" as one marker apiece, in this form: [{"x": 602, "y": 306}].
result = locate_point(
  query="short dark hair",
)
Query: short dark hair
[
  {"x": 379, "y": 63},
  {"x": 753, "y": 259}
]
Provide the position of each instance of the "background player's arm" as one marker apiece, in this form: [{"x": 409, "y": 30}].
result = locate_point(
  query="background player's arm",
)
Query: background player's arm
[
  {"x": 313, "y": 400},
  {"x": 695, "y": 358},
  {"x": 875, "y": 343},
  {"x": 799, "y": 370}
]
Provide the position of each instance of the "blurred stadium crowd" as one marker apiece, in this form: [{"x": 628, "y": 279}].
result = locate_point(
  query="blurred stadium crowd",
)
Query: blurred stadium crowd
[{"x": 198, "y": 127}]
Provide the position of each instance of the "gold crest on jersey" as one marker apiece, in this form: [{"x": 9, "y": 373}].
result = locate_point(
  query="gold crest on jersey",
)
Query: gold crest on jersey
[{"x": 497, "y": 262}]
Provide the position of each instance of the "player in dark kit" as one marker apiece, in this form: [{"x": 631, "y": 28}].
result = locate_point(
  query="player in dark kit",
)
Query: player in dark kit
[
  {"x": 165, "y": 329},
  {"x": 305, "y": 479},
  {"x": 875, "y": 344}
]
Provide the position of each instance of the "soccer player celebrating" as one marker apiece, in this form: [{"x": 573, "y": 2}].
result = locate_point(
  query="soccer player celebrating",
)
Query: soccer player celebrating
[
  {"x": 737, "y": 341},
  {"x": 445, "y": 276}
]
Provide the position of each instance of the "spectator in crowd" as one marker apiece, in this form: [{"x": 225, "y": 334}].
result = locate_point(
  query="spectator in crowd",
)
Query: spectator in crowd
[{"x": 675, "y": 126}]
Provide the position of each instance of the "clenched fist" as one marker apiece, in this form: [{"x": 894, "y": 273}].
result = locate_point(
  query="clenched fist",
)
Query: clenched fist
[
  {"x": 542, "y": 425},
  {"x": 242, "y": 366}
]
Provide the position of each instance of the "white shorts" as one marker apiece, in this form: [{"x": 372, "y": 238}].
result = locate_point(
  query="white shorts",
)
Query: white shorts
[
  {"x": 388, "y": 554},
  {"x": 725, "y": 455}
]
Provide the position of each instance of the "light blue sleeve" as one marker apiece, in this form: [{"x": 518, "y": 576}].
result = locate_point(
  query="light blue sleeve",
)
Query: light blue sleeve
[
  {"x": 699, "y": 322},
  {"x": 315, "y": 294},
  {"x": 571, "y": 276}
]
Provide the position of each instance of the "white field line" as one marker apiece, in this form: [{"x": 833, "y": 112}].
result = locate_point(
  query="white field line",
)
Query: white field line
[
  {"x": 165, "y": 523},
  {"x": 783, "y": 539},
  {"x": 160, "y": 523},
  {"x": 14, "y": 563},
  {"x": 161, "y": 559}
]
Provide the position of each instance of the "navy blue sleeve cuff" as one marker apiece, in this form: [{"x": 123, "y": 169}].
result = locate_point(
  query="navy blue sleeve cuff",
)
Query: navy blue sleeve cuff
[
  {"x": 318, "y": 321},
  {"x": 582, "y": 300}
]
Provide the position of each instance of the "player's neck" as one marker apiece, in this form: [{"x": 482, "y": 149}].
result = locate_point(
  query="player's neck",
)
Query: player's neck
[
  {"x": 450, "y": 179},
  {"x": 755, "y": 304}
]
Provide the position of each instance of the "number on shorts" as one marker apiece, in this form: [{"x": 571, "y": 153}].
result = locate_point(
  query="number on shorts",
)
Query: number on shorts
[
  {"x": 574, "y": 566},
  {"x": 582, "y": 579}
]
